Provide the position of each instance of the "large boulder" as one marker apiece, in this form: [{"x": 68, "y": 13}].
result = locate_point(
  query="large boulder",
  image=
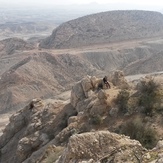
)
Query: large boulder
[
  {"x": 101, "y": 146},
  {"x": 80, "y": 90},
  {"x": 119, "y": 80}
]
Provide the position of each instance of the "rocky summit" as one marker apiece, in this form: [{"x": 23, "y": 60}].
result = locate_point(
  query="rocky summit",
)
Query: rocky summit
[{"x": 87, "y": 129}]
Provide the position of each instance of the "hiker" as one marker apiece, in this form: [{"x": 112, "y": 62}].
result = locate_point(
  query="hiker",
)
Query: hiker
[{"x": 104, "y": 82}]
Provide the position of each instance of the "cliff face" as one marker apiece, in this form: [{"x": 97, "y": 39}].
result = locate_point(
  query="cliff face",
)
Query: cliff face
[{"x": 105, "y": 27}]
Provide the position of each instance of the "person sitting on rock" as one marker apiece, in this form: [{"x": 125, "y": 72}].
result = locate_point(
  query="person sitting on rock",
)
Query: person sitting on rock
[
  {"x": 103, "y": 83},
  {"x": 105, "y": 80}
]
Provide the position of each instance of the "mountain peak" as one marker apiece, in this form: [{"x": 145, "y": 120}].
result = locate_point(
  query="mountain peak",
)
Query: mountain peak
[{"x": 105, "y": 27}]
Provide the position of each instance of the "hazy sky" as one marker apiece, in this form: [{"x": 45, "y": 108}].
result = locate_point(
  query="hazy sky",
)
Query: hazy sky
[{"x": 147, "y": 4}]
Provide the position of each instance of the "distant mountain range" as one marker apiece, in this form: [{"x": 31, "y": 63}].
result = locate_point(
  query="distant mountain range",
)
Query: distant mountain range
[{"x": 105, "y": 27}]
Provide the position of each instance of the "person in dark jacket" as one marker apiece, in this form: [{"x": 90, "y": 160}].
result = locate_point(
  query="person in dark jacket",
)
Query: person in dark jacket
[{"x": 105, "y": 80}]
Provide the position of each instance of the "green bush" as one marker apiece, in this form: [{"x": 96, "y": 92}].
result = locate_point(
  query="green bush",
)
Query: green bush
[
  {"x": 95, "y": 119},
  {"x": 136, "y": 129},
  {"x": 122, "y": 100},
  {"x": 149, "y": 96}
]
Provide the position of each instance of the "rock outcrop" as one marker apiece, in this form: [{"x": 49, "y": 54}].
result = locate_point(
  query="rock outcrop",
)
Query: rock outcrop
[
  {"x": 32, "y": 128},
  {"x": 75, "y": 131},
  {"x": 100, "y": 147},
  {"x": 118, "y": 80},
  {"x": 81, "y": 90}
]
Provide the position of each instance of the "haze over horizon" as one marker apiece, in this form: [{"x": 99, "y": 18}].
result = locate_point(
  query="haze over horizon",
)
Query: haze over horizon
[{"x": 95, "y": 4}]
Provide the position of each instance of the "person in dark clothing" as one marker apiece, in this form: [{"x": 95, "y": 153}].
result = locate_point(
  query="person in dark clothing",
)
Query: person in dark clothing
[{"x": 105, "y": 80}]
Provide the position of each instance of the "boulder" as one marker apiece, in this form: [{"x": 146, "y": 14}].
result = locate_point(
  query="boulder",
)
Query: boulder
[
  {"x": 81, "y": 89},
  {"x": 119, "y": 80},
  {"x": 101, "y": 146}
]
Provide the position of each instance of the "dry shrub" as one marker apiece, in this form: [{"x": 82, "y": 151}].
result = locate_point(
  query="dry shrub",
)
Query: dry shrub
[
  {"x": 122, "y": 100},
  {"x": 95, "y": 119},
  {"x": 136, "y": 129},
  {"x": 150, "y": 97}
]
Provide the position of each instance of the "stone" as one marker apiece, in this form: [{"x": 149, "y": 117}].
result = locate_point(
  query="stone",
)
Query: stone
[
  {"x": 113, "y": 112},
  {"x": 159, "y": 144},
  {"x": 119, "y": 80}
]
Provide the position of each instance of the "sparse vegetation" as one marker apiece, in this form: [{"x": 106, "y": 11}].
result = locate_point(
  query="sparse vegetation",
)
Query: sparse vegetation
[
  {"x": 122, "y": 100},
  {"x": 150, "y": 96},
  {"x": 95, "y": 119},
  {"x": 136, "y": 129}
]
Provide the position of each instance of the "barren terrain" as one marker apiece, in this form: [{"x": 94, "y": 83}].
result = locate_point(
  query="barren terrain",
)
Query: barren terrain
[
  {"x": 52, "y": 96},
  {"x": 19, "y": 94},
  {"x": 27, "y": 69}
]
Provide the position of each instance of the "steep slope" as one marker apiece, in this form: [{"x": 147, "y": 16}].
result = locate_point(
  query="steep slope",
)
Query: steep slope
[
  {"x": 40, "y": 75},
  {"x": 46, "y": 73},
  {"x": 40, "y": 120},
  {"x": 149, "y": 63},
  {"x": 105, "y": 27},
  {"x": 9, "y": 46},
  {"x": 146, "y": 65}
]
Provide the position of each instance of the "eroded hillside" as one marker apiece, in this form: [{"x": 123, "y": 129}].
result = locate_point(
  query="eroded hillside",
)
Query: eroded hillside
[
  {"x": 28, "y": 72},
  {"x": 105, "y": 27}
]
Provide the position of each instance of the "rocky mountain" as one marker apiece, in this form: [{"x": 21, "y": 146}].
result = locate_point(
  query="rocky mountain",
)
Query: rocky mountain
[
  {"x": 63, "y": 115},
  {"x": 83, "y": 130},
  {"x": 29, "y": 75},
  {"x": 106, "y": 27},
  {"x": 29, "y": 72}
]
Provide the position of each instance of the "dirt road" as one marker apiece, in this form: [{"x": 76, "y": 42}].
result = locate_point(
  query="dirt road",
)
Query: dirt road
[{"x": 101, "y": 47}]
